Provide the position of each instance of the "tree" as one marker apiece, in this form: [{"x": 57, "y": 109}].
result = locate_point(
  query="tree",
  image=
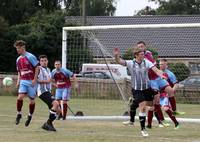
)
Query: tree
[
  {"x": 174, "y": 7},
  {"x": 180, "y": 70},
  {"x": 181, "y": 7},
  {"x": 93, "y": 8},
  {"x": 16, "y": 11},
  {"x": 43, "y": 34},
  {"x": 19, "y": 11},
  {"x": 100, "y": 8},
  {"x": 3, "y": 26},
  {"x": 146, "y": 11}
]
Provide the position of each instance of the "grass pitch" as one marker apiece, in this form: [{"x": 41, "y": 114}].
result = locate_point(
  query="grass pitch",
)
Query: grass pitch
[{"x": 88, "y": 131}]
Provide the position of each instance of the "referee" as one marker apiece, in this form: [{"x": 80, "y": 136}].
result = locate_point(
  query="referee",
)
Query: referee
[{"x": 138, "y": 68}]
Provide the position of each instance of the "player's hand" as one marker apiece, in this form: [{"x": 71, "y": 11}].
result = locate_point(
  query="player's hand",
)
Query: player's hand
[
  {"x": 164, "y": 77},
  {"x": 55, "y": 85},
  {"x": 17, "y": 85},
  {"x": 48, "y": 80},
  {"x": 116, "y": 51},
  {"x": 33, "y": 82}
]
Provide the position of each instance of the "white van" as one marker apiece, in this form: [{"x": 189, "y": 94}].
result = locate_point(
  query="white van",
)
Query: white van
[{"x": 118, "y": 71}]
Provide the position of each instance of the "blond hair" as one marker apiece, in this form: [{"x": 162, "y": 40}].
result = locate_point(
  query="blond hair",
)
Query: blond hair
[{"x": 137, "y": 50}]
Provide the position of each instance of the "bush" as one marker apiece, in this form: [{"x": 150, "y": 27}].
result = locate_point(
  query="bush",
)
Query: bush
[
  {"x": 180, "y": 70},
  {"x": 128, "y": 55}
]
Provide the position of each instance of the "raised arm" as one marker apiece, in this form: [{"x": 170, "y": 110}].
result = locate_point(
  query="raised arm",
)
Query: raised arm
[
  {"x": 117, "y": 57},
  {"x": 158, "y": 72}
]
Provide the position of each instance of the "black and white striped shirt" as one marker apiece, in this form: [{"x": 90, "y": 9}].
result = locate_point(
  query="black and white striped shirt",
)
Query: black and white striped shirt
[
  {"x": 44, "y": 74},
  {"x": 139, "y": 73}
]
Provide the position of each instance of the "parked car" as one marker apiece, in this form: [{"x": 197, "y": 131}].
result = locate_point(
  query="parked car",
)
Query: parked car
[
  {"x": 192, "y": 81},
  {"x": 103, "y": 71},
  {"x": 95, "y": 74},
  {"x": 79, "y": 75}
]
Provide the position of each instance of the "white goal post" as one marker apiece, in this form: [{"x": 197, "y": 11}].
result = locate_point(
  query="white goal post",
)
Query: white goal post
[
  {"x": 65, "y": 29},
  {"x": 105, "y": 53}
]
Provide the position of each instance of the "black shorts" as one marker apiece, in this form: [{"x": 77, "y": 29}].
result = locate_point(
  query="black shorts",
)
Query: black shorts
[
  {"x": 149, "y": 94},
  {"x": 138, "y": 95},
  {"x": 143, "y": 95},
  {"x": 47, "y": 98}
]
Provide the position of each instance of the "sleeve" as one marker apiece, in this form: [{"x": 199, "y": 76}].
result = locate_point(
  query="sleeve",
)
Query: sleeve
[
  {"x": 68, "y": 73},
  {"x": 49, "y": 72},
  {"x": 17, "y": 64},
  {"x": 172, "y": 77},
  {"x": 52, "y": 74},
  {"x": 32, "y": 59},
  {"x": 149, "y": 64},
  {"x": 129, "y": 63},
  {"x": 149, "y": 56}
]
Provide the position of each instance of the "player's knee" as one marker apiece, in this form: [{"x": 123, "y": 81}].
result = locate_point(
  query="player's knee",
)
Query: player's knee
[
  {"x": 64, "y": 102},
  {"x": 169, "y": 90},
  {"x": 149, "y": 103},
  {"x": 165, "y": 108},
  {"x": 20, "y": 96},
  {"x": 55, "y": 104},
  {"x": 142, "y": 109},
  {"x": 151, "y": 108},
  {"x": 31, "y": 101}
]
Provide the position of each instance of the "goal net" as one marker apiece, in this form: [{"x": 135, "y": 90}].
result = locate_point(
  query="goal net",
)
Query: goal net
[{"x": 104, "y": 87}]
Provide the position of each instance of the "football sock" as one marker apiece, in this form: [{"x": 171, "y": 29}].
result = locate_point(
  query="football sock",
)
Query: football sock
[
  {"x": 172, "y": 101},
  {"x": 19, "y": 105}
]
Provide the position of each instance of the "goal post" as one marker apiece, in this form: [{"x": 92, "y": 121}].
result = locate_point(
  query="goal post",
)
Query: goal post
[
  {"x": 104, "y": 27},
  {"x": 81, "y": 45}
]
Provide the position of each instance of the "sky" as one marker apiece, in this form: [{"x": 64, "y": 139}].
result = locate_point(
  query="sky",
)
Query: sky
[{"x": 130, "y": 7}]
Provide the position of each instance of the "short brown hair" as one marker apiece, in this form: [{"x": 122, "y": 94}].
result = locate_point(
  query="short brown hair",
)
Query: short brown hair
[
  {"x": 141, "y": 42},
  {"x": 163, "y": 60},
  {"x": 19, "y": 43},
  {"x": 42, "y": 56},
  {"x": 137, "y": 50}
]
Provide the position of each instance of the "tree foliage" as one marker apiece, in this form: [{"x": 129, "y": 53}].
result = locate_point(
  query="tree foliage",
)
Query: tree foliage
[
  {"x": 173, "y": 7},
  {"x": 43, "y": 34},
  {"x": 16, "y": 11},
  {"x": 39, "y": 23},
  {"x": 93, "y": 8},
  {"x": 180, "y": 70},
  {"x": 3, "y": 26},
  {"x": 128, "y": 55},
  {"x": 19, "y": 11},
  {"x": 146, "y": 11}
]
